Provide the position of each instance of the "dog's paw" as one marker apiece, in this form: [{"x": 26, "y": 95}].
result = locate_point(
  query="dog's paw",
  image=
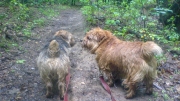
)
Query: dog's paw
[
  {"x": 49, "y": 95},
  {"x": 130, "y": 94},
  {"x": 124, "y": 84},
  {"x": 111, "y": 84},
  {"x": 125, "y": 87},
  {"x": 149, "y": 91},
  {"x": 61, "y": 97}
]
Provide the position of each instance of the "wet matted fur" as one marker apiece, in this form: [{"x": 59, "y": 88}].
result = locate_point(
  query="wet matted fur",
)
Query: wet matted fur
[
  {"x": 132, "y": 61},
  {"x": 53, "y": 62}
]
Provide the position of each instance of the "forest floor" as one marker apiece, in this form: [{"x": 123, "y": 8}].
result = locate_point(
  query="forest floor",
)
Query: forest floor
[{"x": 20, "y": 79}]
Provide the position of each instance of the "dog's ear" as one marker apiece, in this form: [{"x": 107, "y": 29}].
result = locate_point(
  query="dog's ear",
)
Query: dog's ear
[
  {"x": 101, "y": 36},
  {"x": 64, "y": 35},
  {"x": 69, "y": 38}
]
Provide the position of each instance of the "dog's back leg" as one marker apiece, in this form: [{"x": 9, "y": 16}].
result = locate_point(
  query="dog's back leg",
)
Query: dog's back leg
[
  {"x": 149, "y": 85},
  {"x": 132, "y": 80},
  {"x": 61, "y": 87},
  {"x": 49, "y": 87},
  {"x": 150, "y": 76},
  {"x": 148, "y": 80}
]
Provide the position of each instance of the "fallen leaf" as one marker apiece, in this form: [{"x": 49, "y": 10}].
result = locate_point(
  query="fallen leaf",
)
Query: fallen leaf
[{"x": 169, "y": 83}]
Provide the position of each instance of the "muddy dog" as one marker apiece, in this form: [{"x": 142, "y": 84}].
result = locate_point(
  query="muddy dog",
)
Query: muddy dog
[
  {"x": 132, "y": 61},
  {"x": 53, "y": 62}
]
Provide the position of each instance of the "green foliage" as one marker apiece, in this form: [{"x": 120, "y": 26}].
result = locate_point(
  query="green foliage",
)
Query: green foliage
[
  {"x": 25, "y": 18},
  {"x": 85, "y": 2},
  {"x": 12, "y": 70},
  {"x": 3, "y": 43},
  {"x": 155, "y": 94},
  {"x": 137, "y": 16},
  {"x": 160, "y": 58},
  {"x": 89, "y": 12},
  {"x": 50, "y": 12},
  {"x": 162, "y": 11},
  {"x": 20, "y": 61},
  {"x": 7, "y": 43},
  {"x": 165, "y": 96},
  {"x": 39, "y": 2},
  {"x": 110, "y": 22},
  {"x": 39, "y": 22},
  {"x": 3, "y": 15},
  {"x": 22, "y": 10},
  {"x": 21, "y": 16}
]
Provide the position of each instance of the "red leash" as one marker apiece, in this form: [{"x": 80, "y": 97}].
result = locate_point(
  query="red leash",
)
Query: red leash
[
  {"x": 67, "y": 84},
  {"x": 106, "y": 87}
]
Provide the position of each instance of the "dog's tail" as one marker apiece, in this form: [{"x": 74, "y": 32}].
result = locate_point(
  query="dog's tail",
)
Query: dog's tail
[
  {"x": 150, "y": 49},
  {"x": 53, "y": 49}
]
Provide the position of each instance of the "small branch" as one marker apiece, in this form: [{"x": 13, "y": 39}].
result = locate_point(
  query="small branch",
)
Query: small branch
[{"x": 157, "y": 86}]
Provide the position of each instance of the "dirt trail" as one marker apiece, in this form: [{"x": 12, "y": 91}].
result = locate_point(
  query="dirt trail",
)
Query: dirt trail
[{"x": 22, "y": 81}]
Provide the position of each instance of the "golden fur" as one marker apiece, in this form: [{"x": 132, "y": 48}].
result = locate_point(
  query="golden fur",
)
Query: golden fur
[
  {"x": 132, "y": 61},
  {"x": 53, "y": 62},
  {"x": 67, "y": 36}
]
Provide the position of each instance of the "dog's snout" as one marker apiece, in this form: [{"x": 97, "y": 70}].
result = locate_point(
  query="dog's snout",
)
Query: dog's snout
[{"x": 81, "y": 40}]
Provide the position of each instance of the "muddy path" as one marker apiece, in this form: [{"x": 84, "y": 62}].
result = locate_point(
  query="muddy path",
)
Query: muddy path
[{"x": 21, "y": 81}]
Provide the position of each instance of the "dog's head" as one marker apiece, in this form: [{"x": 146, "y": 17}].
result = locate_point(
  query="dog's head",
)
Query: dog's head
[
  {"x": 53, "y": 49},
  {"x": 67, "y": 36},
  {"x": 94, "y": 38}
]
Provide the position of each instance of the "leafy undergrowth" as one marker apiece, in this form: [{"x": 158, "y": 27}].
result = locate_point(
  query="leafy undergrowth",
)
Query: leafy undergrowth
[
  {"x": 135, "y": 20},
  {"x": 17, "y": 21}
]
